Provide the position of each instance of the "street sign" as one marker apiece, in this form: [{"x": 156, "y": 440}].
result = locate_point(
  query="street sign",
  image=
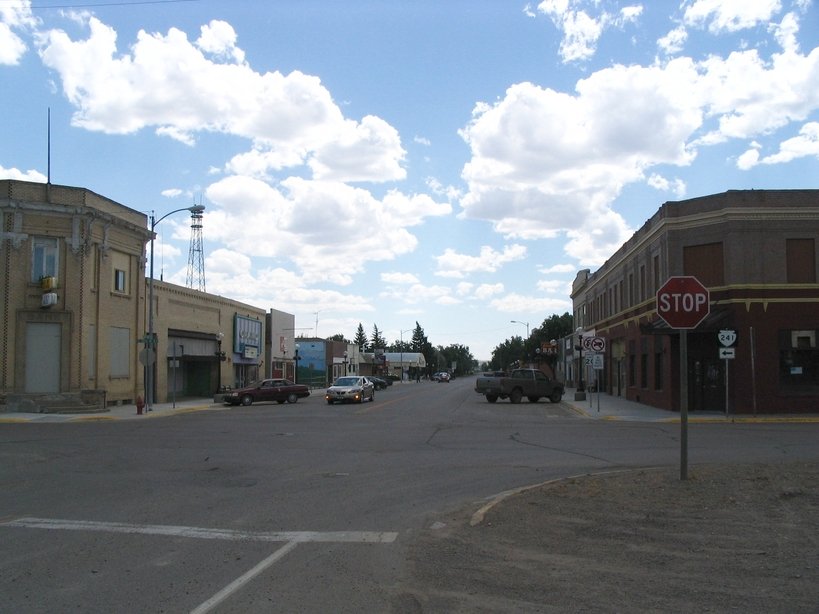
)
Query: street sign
[
  {"x": 683, "y": 302},
  {"x": 727, "y": 353},
  {"x": 598, "y": 344},
  {"x": 597, "y": 362},
  {"x": 727, "y": 338}
]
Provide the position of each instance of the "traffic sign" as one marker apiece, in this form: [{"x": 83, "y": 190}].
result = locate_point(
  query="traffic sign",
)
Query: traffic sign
[
  {"x": 598, "y": 344},
  {"x": 727, "y": 338},
  {"x": 727, "y": 353},
  {"x": 683, "y": 302}
]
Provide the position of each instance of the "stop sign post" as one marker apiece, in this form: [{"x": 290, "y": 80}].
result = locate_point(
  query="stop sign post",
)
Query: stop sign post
[{"x": 683, "y": 303}]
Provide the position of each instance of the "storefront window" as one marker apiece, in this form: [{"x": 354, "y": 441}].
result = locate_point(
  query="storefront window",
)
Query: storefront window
[{"x": 798, "y": 361}]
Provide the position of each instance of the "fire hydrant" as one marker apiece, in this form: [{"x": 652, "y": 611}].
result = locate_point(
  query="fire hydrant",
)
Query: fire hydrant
[{"x": 140, "y": 403}]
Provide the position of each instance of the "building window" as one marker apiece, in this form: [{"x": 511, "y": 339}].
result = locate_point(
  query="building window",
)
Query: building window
[
  {"x": 43, "y": 258},
  {"x": 798, "y": 361},
  {"x": 119, "y": 281},
  {"x": 658, "y": 363},
  {"x": 643, "y": 287},
  {"x": 705, "y": 262},
  {"x": 120, "y": 348},
  {"x": 656, "y": 271},
  {"x": 801, "y": 261}
]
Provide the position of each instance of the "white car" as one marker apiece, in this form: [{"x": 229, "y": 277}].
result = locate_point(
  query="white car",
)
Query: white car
[{"x": 350, "y": 389}]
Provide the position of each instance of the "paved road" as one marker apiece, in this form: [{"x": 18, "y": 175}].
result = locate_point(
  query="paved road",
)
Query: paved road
[{"x": 305, "y": 507}]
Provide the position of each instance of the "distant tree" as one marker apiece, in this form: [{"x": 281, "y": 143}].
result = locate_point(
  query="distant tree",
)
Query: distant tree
[
  {"x": 338, "y": 337},
  {"x": 518, "y": 350},
  {"x": 457, "y": 355},
  {"x": 361, "y": 338},
  {"x": 377, "y": 341}
]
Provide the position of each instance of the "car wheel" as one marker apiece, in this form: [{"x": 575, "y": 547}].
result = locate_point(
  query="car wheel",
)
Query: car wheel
[
  {"x": 247, "y": 399},
  {"x": 292, "y": 398},
  {"x": 556, "y": 396},
  {"x": 491, "y": 398},
  {"x": 329, "y": 402},
  {"x": 372, "y": 397},
  {"x": 516, "y": 395}
]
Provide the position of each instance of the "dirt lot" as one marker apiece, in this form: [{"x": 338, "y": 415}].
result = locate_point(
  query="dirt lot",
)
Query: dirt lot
[{"x": 732, "y": 538}]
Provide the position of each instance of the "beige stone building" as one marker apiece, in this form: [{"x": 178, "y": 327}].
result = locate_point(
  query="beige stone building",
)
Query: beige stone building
[{"x": 74, "y": 310}]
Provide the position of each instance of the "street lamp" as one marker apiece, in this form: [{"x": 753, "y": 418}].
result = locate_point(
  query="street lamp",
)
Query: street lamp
[
  {"x": 526, "y": 324},
  {"x": 345, "y": 362},
  {"x": 296, "y": 359},
  {"x": 149, "y": 341}
]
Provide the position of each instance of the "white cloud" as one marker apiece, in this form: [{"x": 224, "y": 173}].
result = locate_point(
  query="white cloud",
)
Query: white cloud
[
  {"x": 558, "y": 268},
  {"x": 582, "y": 31},
  {"x": 551, "y": 285},
  {"x": 721, "y": 16},
  {"x": 806, "y": 144},
  {"x": 518, "y": 303},
  {"x": 330, "y": 230},
  {"x": 29, "y": 175},
  {"x": 658, "y": 182},
  {"x": 219, "y": 39},
  {"x": 422, "y": 141},
  {"x": 674, "y": 41},
  {"x": 16, "y": 16},
  {"x": 484, "y": 291},
  {"x": 453, "y": 264},
  {"x": 399, "y": 278},
  {"x": 182, "y": 88},
  {"x": 172, "y": 193}
]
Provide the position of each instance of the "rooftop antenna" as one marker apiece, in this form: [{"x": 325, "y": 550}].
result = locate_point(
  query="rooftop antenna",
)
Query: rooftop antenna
[{"x": 196, "y": 258}]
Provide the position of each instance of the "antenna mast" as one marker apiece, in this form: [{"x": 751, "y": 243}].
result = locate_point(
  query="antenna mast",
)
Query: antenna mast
[{"x": 196, "y": 258}]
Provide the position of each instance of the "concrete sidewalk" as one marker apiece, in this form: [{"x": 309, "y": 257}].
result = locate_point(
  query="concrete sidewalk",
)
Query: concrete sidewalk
[
  {"x": 119, "y": 412},
  {"x": 607, "y": 407}
]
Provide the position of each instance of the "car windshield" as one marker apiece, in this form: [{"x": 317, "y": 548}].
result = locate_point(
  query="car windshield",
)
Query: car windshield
[{"x": 347, "y": 381}]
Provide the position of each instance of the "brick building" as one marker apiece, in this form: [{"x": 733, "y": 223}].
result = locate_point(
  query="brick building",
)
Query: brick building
[{"x": 755, "y": 250}]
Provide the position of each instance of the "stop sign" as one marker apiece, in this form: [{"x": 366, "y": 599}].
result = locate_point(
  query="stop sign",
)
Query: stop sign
[{"x": 683, "y": 302}]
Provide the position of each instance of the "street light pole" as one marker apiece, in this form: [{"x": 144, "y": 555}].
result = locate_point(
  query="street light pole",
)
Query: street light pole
[
  {"x": 526, "y": 324},
  {"x": 149, "y": 341}
]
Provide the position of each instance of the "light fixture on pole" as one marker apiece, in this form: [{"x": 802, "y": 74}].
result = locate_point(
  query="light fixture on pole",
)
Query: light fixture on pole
[
  {"x": 526, "y": 324},
  {"x": 150, "y": 342},
  {"x": 345, "y": 363},
  {"x": 296, "y": 359}
]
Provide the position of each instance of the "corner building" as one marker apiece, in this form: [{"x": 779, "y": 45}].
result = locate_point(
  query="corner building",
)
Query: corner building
[{"x": 755, "y": 251}]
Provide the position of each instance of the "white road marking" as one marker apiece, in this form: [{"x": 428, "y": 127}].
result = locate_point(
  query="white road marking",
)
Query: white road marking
[
  {"x": 371, "y": 537},
  {"x": 239, "y": 582},
  {"x": 292, "y": 539}
]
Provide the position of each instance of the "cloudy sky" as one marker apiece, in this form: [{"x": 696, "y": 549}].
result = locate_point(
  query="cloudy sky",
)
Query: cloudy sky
[{"x": 383, "y": 162}]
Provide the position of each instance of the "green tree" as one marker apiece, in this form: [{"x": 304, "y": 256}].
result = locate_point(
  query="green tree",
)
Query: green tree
[
  {"x": 377, "y": 341},
  {"x": 361, "y": 338},
  {"x": 457, "y": 355},
  {"x": 338, "y": 337}
]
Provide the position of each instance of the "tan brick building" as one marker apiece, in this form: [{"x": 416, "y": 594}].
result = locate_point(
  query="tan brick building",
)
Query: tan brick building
[
  {"x": 73, "y": 306},
  {"x": 755, "y": 250}
]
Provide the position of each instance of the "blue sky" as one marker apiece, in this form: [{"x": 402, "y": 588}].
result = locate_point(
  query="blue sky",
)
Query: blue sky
[{"x": 452, "y": 163}]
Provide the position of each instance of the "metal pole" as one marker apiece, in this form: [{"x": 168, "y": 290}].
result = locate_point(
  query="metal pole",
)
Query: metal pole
[
  {"x": 149, "y": 374},
  {"x": 683, "y": 404},
  {"x": 727, "y": 396}
]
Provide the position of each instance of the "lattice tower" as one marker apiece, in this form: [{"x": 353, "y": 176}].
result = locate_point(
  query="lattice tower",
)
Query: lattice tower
[{"x": 196, "y": 257}]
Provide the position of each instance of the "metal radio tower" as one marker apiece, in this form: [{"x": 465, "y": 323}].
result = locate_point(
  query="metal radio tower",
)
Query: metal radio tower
[{"x": 196, "y": 258}]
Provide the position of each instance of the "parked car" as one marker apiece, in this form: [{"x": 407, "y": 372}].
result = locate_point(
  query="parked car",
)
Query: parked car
[
  {"x": 350, "y": 389},
  {"x": 378, "y": 383},
  {"x": 279, "y": 390}
]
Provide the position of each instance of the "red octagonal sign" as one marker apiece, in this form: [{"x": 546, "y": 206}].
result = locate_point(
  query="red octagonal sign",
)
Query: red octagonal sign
[{"x": 683, "y": 302}]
